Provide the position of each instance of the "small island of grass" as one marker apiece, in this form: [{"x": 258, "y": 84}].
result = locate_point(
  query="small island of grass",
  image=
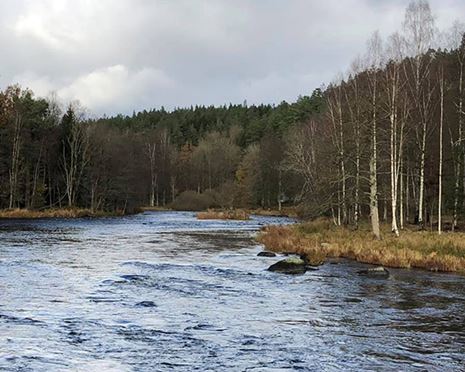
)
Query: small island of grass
[{"x": 232, "y": 214}]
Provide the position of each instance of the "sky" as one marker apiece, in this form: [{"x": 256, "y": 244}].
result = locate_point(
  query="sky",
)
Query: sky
[{"x": 120, "y": 56}]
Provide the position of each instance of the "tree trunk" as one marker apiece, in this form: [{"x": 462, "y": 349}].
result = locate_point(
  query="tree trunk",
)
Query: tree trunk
[
  {"x": 374, "y": 212},
  {"x": 441, "y": 124},
  {"x": 458, "y": 147}
]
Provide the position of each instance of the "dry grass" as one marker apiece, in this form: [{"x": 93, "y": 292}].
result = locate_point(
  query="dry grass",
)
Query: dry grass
[
  {"x": 234, "y": 214},
  {"x": 413, "y": 249},
  {"x": 285, "y": 212},
  {"x": 155, "y": 209},
  {"x": 53, "y": 213}
]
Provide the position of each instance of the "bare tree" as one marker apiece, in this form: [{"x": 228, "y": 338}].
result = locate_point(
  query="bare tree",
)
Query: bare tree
[
  {"x": 75, "y": 151},
  {"x": 419, "y": 29},
  {"x": 374, "y": 61},
  {"x": 456, "y": 40},
  {"x": 393, "y": 93},
  {"x": 151, "y": 151},
  {"x": 354, "y": 104},
  {"x": 441, "y": 125},
  {"x": 15, "y": 153},
  {"x": 334, "y": 101}
]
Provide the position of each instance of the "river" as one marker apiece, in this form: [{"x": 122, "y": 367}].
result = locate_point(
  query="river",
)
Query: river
[{"x": 162, "y": 291}]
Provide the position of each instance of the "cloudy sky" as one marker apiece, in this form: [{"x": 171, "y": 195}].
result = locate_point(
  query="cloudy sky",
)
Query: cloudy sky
[{"x": 124, "y": 55}]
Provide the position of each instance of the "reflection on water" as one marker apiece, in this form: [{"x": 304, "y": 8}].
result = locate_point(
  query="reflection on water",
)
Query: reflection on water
[{"x": 163, "y": 291}]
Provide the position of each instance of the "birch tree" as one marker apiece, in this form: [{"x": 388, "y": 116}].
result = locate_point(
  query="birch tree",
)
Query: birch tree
[
  {"x": 419, "y": 29},
  {"x": 151, "y": 151},
  {"x": 354, "y": 104},
  {"x": 393, "y": 88},
  {"x": 456, "y": 39},
  {"x": 15, "y": 150},
  {"x": 335, "y": 113},
  {"x": 75, "y": 151},
  {"x": 441, "y": 126},
  {"x": 374, "y": 61}
]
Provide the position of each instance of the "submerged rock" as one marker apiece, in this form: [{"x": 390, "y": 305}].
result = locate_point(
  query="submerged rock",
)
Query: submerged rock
[
  {"x": 291, "y": 265},
  {"x": 266, "y": 254},
  {"x": 376, "y": 272},
  {"x": 146, "y": 304}
]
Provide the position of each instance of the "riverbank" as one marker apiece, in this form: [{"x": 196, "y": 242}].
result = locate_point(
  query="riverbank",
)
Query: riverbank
[
  {"x": 233, "y": 214},
  {"x": 290, "y": 212},
  {"x": 413, "y": 249},
  {"x": 55, "y": 213},
  {"x": 243, "y": 214}
]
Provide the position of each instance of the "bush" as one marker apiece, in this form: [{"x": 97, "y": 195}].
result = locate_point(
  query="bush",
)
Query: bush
[{"x": 193, "y": 201}]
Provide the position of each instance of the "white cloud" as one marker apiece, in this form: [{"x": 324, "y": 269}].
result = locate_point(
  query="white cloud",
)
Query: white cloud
[
  {"x": 120, "y": 55},
  {"x": 116, "y": 86}
]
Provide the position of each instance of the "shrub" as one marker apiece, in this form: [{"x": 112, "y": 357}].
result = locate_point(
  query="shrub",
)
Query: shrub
[{"x": 193, "y": 201}]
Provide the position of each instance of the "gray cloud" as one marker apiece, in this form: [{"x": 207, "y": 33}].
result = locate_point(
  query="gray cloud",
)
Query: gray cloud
[{"x": 123, "y": 55}]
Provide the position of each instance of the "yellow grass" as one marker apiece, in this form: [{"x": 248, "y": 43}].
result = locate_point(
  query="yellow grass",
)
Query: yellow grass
[
  {"x": 285, "y": 212},
  {"x": 53, "y": 213},
  {"x": 413, "y": 249},
  {"x": 155, "y": 209},
  {"x": 234, "y": 214}
]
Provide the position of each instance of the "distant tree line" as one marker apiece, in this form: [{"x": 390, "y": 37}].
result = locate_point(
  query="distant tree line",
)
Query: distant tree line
[
  {"x": 227, "y": 156},
  {"x": 385, "y": 141}
]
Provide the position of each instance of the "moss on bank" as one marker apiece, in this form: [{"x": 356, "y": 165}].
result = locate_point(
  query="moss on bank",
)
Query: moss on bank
[
  {"x": 413, "y": 249},
  {"x": 55, "y": 213}
]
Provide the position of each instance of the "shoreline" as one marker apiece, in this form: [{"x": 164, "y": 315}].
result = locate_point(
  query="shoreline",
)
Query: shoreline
[
  {"x": 240, "y": 214},
  {"x": 413, "y": 249},
  {"x": 70, "y": 213},
  {"x": 54, "y": 213}
]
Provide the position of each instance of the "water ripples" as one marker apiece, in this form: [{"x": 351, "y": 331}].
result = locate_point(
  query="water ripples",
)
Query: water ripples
[{"x": 163, "y": 291}]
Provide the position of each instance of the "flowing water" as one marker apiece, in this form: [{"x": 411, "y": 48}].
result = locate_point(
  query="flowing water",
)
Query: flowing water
[{"x": 162, "y": 291}]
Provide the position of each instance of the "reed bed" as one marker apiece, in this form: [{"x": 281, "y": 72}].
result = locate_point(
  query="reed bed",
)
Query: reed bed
[
  {"x": 234, "y": 214},
  {"x": 413, "y": 249},
  {"x": 285, "y": 212},
  {"x": 53, "y": 213}
]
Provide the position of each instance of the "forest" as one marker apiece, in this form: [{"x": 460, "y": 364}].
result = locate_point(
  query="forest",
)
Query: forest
[{"x": 383, "y": 141}]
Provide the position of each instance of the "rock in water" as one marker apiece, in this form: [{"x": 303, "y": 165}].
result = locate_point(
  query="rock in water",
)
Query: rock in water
[
  {"x": 377, "y": 272},
  {"x": 291, "y": 265},
  {"x": 266, "y": 254},
  {"x": 146, "y": 304}
]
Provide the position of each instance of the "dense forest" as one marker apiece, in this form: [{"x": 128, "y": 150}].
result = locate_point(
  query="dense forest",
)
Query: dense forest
[
  {"x": 206, "y": 156},
  {"x": 384, "y": 141}
]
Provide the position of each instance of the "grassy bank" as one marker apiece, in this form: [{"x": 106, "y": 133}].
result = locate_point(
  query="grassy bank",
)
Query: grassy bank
[
  {"x": 244, "y": 214},
  {"x": 285, "y": 212},
  {"x": 233, "y": 214},
  {"x": 155, "y": 209},
  {"x": 55, "y": 213},
  {"x": 413, "y": 249}
]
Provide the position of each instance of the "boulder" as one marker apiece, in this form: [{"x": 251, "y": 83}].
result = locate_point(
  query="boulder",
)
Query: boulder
[
  {"x": 266, "y": 254},
  {"x": 291, "y": 265},
  {"x": 146, "y": 304},
  {"x": 376, "y": 272}
]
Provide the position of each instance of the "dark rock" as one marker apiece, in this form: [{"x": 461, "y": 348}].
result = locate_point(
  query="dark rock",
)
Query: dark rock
[
  {"x": 146, "y": 304},
  {"x": 377, "y": 272},
  {"x": 266, "y": 254},
  {"x": 291, "y": 265}
]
